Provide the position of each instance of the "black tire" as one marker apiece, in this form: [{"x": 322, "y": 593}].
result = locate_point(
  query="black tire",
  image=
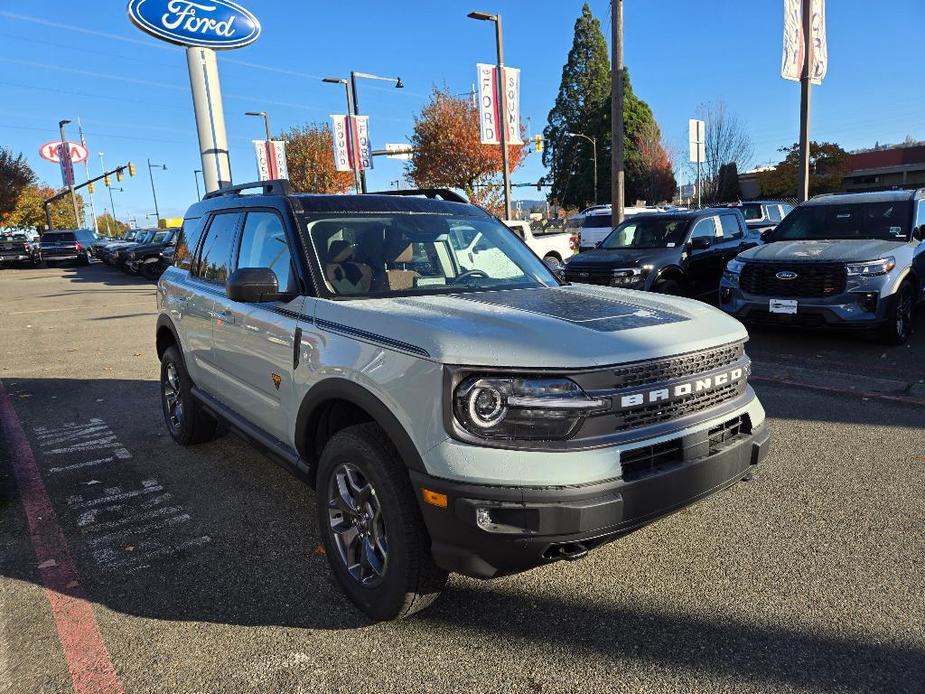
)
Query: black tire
[
  {"x": 401, "y": 580},
  {"x": 669, "y": 286},
  {"x": 187, "y": 422},
  {"x": 899, "y": 315},
  {"x": 82, "y": 260}
]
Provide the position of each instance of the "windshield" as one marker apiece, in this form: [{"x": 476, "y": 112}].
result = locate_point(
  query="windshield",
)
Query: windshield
[
  {"x": 751, "y": 211},
  {"x": 888, "y": 221},
  {"x": 663, "y": 232},
  {"x": 144, "y": 237},
  {"x": 65, "y": 237},
  {"x": 380, "y": 254}
]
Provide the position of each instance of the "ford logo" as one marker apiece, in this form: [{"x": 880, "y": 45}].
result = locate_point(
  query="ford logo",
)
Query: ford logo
[
  {"x": 207, "y": 23},
  {"x": 786, "y": 275}
]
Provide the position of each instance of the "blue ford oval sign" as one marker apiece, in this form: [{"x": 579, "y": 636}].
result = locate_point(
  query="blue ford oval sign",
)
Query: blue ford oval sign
[{"x": 207, "y": 23}]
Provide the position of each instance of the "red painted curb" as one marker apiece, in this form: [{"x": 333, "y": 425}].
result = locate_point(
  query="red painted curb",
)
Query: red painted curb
[
  {"x": 84, "y": 651},
  {"x": 905, "y": 399}
]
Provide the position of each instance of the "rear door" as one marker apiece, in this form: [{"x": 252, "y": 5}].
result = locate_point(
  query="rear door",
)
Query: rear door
[
  {"x": 254, "y": 344},
  {"x": 206, "y": 285}
]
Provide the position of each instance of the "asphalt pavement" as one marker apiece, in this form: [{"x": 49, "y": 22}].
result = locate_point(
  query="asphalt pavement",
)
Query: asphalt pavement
[{"x": 202, "y": 568}]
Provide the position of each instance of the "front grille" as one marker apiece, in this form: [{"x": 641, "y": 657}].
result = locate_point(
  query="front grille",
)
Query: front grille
[
  {"x": 655, "y": 413},
  {"x": 658, "y": 370},
  {"x": 603, "y": 276},
  {"x": 812, "y": 279}
]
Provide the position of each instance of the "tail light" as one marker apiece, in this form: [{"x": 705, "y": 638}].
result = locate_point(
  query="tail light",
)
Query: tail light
[
  {"x": 573, "y": 242},
  {"x": 77, "y": 247}
]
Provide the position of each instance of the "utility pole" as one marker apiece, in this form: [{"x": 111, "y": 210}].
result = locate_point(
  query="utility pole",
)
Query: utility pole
[
  {"x": 151, "y": 168},
  {"x": 805, "y": 94},
  {"x": 83, "y": 142},
  {"x": 65, "y": 151},
  {"x": 616, "y": 112}
]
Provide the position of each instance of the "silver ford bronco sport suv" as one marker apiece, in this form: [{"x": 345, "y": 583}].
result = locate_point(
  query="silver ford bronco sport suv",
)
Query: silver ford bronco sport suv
[
  {"x": 848, "y": 260},
  {"x": 455, "y": 406}
]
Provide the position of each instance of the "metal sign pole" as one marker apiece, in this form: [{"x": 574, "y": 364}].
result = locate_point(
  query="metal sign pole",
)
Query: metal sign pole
[
  {"x": 210, "y": 117},
  {"x": 502, "y": 109},
  {"x": 805, "y": 98}
]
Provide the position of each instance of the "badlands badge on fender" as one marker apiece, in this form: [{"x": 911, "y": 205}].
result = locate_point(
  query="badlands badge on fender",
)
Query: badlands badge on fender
[{"x": 277, "y": 379}]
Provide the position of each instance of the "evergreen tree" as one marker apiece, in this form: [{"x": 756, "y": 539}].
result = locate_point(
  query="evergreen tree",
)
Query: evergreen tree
[
  {"x": 727, "y": 183},
  {"x": 584, "y": 92},
  {"x": 583, "y": 106}
]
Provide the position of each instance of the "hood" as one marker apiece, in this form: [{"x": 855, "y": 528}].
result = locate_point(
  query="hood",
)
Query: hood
[
  {"x": 834, "y": 250},
  {"x": 623, "y": 257},
  {"x": 551, "y": 327}
]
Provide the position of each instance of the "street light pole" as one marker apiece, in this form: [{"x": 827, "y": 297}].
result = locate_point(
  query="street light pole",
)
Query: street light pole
[
  {"x": 502, "y": 102},
  {"x": 66, "y": 147},
  {"x": 805, "y": 100},
  {"x": 356, "y": 106},
  {"x": 346, "y": 83},
  {"x": 271, "y": 168},
  {"x": 151, "y": 168},
  {"x": 196, "y": 178},
  {"x": 593, "y": 141}
]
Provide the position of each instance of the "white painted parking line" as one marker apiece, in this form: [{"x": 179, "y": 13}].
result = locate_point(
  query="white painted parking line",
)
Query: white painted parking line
[{"x": 77, "y": 466}]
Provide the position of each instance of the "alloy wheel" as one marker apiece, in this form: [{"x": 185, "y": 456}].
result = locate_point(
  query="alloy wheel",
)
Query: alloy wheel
[
  {"x": 904, "y": 312},
  {"x": 357, "y": 525},
  {"x": 172, "y": 398}
]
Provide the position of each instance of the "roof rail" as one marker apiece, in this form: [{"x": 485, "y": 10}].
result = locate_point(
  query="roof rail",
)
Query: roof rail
[
  {"x": 277, "y": 186},
  {"x": 432, "y": 193}
]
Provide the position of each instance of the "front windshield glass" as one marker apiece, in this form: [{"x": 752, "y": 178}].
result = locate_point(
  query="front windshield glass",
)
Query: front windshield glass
[
  {"x": 160, "y": 237},
  {"x": 370, "y": 254},
  {"x": 888, "y": 221},
  {"x": 751, "y": 211},
  {"x": 660, "y": 232}
]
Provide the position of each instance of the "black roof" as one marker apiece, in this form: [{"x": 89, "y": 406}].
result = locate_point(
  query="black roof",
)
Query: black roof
[{"x": 876, "y": 196}]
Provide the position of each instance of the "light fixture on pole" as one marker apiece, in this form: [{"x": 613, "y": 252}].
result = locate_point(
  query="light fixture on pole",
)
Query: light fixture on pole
[
  {"x": 196, "y": 178},
  {"x": 66, "y": 146},
  {"x": 151, "y": 168},
  {"x": 354, "y": 76},
  {"x": 266, "y": 120},
  {"x": 502, "y": 101},
  {"x": 346, "y": 83},
  {"x": 593, "y": 141}
]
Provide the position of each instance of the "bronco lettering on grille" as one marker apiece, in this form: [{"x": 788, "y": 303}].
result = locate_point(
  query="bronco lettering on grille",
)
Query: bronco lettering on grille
[{"x": 680, "y": 390}]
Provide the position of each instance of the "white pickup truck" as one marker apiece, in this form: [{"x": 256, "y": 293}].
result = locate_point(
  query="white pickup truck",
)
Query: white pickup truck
[{"x": 556, "y": 244}]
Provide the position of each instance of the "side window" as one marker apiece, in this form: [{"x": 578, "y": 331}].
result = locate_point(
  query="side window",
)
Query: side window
[
  {"x": 785, "y": 209},
  {"x": 774, "y": 213},
  {"x": 264, "y": 244},
  {"x": 730, "y": 225},
  {"x": 920, "y": 214},
  {"x": 216, "y": 249},
  {"x": 706, "y": 227},
  {"x": 188, "y": 240}
]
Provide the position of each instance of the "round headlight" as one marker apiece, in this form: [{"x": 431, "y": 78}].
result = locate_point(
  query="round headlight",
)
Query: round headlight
[{"x": 486, "y": 405}]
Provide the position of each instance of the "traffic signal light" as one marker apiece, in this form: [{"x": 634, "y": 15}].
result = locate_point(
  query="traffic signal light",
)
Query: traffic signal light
[
  {"x": 119, "y": 174},
  {"x": 106, "y": 181},
  {"x": 131, "y": 169},
  {"x": 90, "y": 187},
  {"x": 538, "y": 140}
]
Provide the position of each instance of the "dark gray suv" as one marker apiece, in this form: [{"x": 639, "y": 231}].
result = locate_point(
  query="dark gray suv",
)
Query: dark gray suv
[{"x": 839, "y": 260}]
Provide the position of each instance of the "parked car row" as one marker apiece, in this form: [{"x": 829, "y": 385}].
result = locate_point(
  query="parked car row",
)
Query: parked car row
[
  {"x": 837, "y": 260},
  {"x": 145, "y": 252}
]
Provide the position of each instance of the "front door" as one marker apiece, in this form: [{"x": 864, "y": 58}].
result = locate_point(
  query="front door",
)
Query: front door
[
  {"x": 254, "y": 344},
  {"x": 705, "y": 265}
]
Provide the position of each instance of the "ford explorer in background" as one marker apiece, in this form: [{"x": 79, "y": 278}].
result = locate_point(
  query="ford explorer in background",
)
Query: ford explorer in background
[
  {"x": 681, "y": 253},
  {"x": 843, "y": 261},
  {"x": 452, "y": 415}
]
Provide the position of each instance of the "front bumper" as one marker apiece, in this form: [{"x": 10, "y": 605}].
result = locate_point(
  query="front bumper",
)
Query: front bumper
[
  {"x": 859, "y": 307},
  {"x": 530, "y": 526}
]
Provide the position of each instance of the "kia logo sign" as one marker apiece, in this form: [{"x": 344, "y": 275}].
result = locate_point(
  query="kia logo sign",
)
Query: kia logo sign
[
  {"x": 786, "y": 275},
  {"x": 213, "y": 24}
]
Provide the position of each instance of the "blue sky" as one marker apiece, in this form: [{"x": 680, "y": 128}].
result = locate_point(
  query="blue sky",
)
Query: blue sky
[{"x": 62, "y": 59}]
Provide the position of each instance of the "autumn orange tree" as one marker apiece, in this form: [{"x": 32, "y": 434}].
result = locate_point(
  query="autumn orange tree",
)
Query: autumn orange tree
[
  {"x": 29, "y": 211},
  {"x": 310, "y": 157},
  {"x": 654, "y": 178},
  {"x": 448, "y": 152}
]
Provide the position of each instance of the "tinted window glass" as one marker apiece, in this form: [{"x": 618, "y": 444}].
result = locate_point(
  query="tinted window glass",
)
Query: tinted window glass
[
  {"x": 59, "y": 237},
  {"x": 774, "y": 213},
  {"x": 920, "y": 216},
  {"x": 190, "y": 233},
  {"x": 730, "y": 227},
  {"x": 705, "y": 227},
  {"x": 888, "y": 221},
  {"x": 660, "y": 232},
  {"x": 752, "y": 211},
  {"x": 785, "y": 209},
  {"x": 216, "y": 249},
  {"x": 264, "y": 244},
  {"x": 596, "y": 221}
]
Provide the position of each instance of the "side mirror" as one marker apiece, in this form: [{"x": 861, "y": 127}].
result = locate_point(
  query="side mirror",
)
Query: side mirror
[
  {"x": 700, "y": 242},
  {"x": 252, "y": 285}
]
